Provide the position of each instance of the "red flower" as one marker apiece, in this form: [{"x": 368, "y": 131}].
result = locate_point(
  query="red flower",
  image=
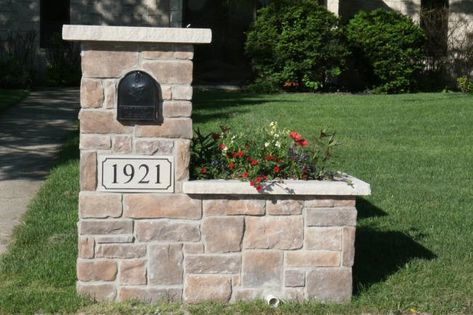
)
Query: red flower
[
  {"x": 276, "y": 169},
  {"x": 245, "y": 175},
  {"x": 295, "y": 135},
  {"x": 303, "y": 143},
  {"x": 258, "y": 179},
  {"x": 240, "y": 153},
  {"x": 228, "y": 155},
  {"x": 252, "y": 183},
  {"x": 203, "y": 170},
  {"x": 268, "y": 157},
  {"x": 249, "y": 159},
  {"x": 231, "y": 165},
  {"x": 254, "y": 162},
  {"x": 259, "y": 188},
  {"x": 222, "y": 146},
  {"x": 234, "y": 154}
]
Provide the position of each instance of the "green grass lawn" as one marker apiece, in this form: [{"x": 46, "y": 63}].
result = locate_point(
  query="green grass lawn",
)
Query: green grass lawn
[
  {"x": 9, "y": 98},
  {"x": 415, "y": 233}
]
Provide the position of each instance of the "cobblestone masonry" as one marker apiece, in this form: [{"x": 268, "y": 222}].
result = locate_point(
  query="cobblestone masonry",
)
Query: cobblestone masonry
[{"x": 193, "y": 247}]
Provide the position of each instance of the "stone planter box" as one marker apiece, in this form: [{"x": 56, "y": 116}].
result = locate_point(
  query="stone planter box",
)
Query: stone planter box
[
  {"x": 222, "y": 241},
  {"x": 195, "y": 240}
]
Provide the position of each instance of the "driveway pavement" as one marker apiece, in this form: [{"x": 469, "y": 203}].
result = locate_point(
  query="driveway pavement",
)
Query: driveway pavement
[{"x": 30, "y": 135}]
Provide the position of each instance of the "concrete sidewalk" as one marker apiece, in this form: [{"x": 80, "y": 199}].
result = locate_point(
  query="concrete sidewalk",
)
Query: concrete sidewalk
[{"x": 30, "y": 135}]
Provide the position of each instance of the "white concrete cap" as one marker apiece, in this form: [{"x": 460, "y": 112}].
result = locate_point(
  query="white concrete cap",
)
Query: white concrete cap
[
  {"x": 136, "y": 34},
  {"x": 346, "y": 186}
]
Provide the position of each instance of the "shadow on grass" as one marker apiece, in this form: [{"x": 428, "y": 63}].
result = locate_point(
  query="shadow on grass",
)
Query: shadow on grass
[
  {"x": 367, "y": 210},
  {"x": 380, "y": 254},
  {"x": 213, "y": 105}
]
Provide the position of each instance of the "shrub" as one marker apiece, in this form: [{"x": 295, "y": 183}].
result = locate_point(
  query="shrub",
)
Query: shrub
[
  {"x": 17, "y": 60},
  {"x": 274, "y": 154},
  {"x": 389, "y": 47},
  {"x": 295, "y": 44},
  {"x": 465, "y": 84}
]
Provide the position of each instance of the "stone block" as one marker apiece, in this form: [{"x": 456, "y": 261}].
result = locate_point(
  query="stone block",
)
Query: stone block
[
  {"x": 170, "y": 128},
  {"x": 110, "y": 91},
  {"x": 95, "y": 142},
  {"x": 181, "y": 92},
  {"x": 166, "y": 264},
  {"x": 200, "y": 288},
  {"x": 166, "y": 92},
  {"x": 99, "y": 205},
  {"x": 331, "y": 217},
  {"x": 330, "y": 284},
  {"x": 323, "y": 238},
  {"x": 122, "y": 251},
  {"x": 209, "y": 264},
  {"x": 133, "y": 272},
  {"x": 294, "y": 294},
  {"x": 182, "y": 159},
  {"x": 319, "y": 202},
  {"x": 122, "y": 144},
  {"x": 164, "y": 230},
  {"x": 222, "y": 235},
  {"x": 101, "y": 122},
  {"x": 103, "y": 62},
  {"x": 348, "y": 254},
  {"x": 262, "y": 269},
  {"x": 193, "y": 248},
  {"x": 86, "y": 247},
  {"x": 344, "y": 202},
  {"x": 103, "y": 270},
  {"x": 110, "y": 239},
  {"x": 170, "y": 71},
  {"x": 274, "y": 232},
  {"x": 284, "y": 206},
  {"x": 176, "y": 109},
  {"x": 153, "y": 206},
  {"x": 91, "y": 93},
  {"x": 169, "y": 51},
  {"x": 233, "y": 206},
  {"x": 245, "y": 294},
  {"x": 97, "y": 292},
  {"x": 294, "y": 278},
  {"x": 101, "y": 227},
  {"x": 310, "y": 259},
  {"x": 150, "y": 294},
  {"x": 88, "y": 171},
  {"x": 154, "y": 146}
]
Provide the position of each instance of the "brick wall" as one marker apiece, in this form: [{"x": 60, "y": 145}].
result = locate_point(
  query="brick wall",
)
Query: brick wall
[{"x": 193, "y": 248}]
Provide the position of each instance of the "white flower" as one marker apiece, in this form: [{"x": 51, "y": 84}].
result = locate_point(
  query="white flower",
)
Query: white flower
[
  {"x": 266, "y": 144},
  {"x": 278, "y": 144}
]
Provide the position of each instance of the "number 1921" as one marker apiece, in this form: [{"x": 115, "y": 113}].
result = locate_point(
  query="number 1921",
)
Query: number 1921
[{"x": 130, "y": 173}]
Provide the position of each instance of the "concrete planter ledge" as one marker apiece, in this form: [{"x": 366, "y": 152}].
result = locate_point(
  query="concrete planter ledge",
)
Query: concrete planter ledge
[
  {"x": 170, "y": 35},
  {"x": 346, "y": 186}
]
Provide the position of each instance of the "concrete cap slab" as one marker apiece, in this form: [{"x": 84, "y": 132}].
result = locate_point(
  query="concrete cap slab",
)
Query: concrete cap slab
[
  {"x": 344, "y": 186},
  {"x": 96, "y": 33}
]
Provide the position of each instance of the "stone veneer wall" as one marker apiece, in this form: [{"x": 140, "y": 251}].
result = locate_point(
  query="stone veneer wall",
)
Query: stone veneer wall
[
  {"x": 201, "y": 242},
  {"x": 193, "y": 248}
]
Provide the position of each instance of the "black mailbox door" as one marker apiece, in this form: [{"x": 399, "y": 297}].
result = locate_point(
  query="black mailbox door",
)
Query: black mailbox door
[{"x": 138, "y": 98}]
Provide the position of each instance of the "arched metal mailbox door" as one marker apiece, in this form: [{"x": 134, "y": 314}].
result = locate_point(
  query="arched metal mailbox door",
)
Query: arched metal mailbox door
[{"x": 138, "y": 98}]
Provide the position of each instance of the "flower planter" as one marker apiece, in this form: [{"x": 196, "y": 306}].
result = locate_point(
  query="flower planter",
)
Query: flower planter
[
  {"x": 222, "y": 241},
  {"x": 168, "y": 238}
]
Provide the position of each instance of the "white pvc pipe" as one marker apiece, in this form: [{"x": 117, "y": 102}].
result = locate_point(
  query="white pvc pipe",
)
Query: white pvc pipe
[{"x": 272, "y": 301}]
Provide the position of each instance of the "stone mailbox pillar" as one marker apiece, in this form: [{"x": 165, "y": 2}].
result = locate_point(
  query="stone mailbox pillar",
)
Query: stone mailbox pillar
[{"x": 132, "y": 165}]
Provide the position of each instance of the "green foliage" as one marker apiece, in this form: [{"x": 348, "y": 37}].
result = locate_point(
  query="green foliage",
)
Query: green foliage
[
  {"x": 295, "y": 44},
  {"x": 465, "y": 84},
  {"x": 17, "y": 60},
  {"x": 272, "y": 153},
  {"x": 389, "y": 48}
]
